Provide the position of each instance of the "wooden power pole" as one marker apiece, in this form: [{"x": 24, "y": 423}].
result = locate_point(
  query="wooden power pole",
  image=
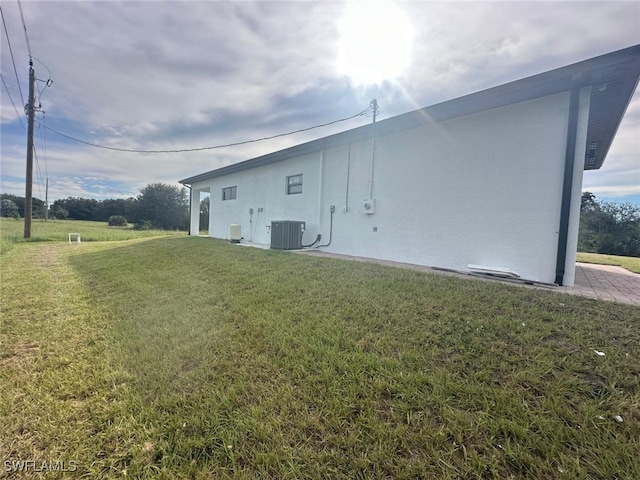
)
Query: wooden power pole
[{"x": 28, "y": 194}]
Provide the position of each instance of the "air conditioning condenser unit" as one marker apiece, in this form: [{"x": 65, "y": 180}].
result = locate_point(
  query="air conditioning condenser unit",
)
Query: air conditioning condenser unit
[{"x": 287, "y": 234}]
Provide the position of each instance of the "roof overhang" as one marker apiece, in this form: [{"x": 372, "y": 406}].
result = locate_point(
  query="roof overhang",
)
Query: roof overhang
[{"x": 613, "y": 78}]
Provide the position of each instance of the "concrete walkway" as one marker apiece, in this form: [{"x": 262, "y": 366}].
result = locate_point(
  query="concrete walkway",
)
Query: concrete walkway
[
  {"x": 606, "y": 282},
  {"x": 603, "y": 282}
]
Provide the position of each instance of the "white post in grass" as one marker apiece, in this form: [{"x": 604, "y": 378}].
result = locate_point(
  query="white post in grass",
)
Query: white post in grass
[{"x": 77, "y": 237}]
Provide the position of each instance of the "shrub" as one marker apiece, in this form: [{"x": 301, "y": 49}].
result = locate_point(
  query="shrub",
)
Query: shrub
[
  {"x": 117, "y": 221},
  {"x": 143, "y": 225},
  {"x": 61, "y": 213}
]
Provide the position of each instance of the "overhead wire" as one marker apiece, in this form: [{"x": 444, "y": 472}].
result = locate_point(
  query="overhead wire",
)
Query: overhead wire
[
  {"x": 44, "y": 157},
  {"x": 47, "y": 83},
  {"x": 26, "y": 37},
  {"x": 40, "y": 182},
  {"x": 24, "y": 25},
  {"x": 14, "y": 105},
  {"x": 206, "y": 148},
  {"x": 44, "y": 144},
  {"x": 11, "y": 52}
]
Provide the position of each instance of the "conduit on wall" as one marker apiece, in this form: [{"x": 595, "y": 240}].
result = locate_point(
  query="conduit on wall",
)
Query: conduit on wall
[
  {"x": 320, "y": 181},
  {"x": 346, "y": 197},
  {"x": 373, "y": 157}
]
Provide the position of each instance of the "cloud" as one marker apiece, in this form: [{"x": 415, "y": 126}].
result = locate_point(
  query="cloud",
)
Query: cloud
[{"x": 171, "y": 75}]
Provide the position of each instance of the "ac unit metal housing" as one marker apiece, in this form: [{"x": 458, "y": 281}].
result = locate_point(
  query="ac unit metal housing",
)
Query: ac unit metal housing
[{"x": 287, "y": 234}]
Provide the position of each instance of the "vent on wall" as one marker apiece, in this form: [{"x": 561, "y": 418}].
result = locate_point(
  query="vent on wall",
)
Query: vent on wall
[{"x": 287, "y": 234}]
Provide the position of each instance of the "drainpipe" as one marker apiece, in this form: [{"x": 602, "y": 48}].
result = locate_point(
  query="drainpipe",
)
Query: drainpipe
[
  {"x": 346, "y": 195},
  {"x": 567, "y": 184},
  {"x": 320, "y": 183},
  {"x": 374, "y": 107}
]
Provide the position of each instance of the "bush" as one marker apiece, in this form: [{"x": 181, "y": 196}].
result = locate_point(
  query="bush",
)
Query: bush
[
  {"x": 117, "y": 221},
  {"x": 60, "y": 213},
  {"x": 143, "y": 225}
]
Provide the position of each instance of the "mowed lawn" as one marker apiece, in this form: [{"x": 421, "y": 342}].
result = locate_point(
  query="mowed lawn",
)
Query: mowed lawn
[
  {"x": 186, "y": 357},
  {"x": 630, "y": 263},
  {"x": 12, "y": 232}
]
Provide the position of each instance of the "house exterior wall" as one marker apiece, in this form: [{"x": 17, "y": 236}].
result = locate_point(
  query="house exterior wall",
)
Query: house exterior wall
[
  {"x": 576, "y": 191},
  {"x": 263, "y": 188},
  {"x": 479, "y": 189}
]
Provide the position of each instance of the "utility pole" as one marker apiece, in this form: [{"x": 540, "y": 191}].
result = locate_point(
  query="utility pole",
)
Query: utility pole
[
  {"x": 31, "y": 111},
  {"x": 46, "y": 201}
]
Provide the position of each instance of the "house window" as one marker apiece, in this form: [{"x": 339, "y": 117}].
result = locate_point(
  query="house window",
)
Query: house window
[
  {"x": 229, "y": 193},
  {"x": 294, "y": 184}
]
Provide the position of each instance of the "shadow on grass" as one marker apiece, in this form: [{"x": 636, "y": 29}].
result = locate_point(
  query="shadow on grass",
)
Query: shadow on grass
[{"x": 269, "y": 364}]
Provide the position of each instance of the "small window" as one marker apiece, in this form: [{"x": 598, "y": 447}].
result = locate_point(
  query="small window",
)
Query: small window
[
  {"x": 229, "y": 193},
  {"x": 294, "y": 184}
]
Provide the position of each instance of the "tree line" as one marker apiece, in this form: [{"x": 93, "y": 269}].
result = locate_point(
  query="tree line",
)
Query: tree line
[
  {"x": 605, "y": 227},
  {"x": 157, "y": 206},
  {"x": 608, "y": 227}
]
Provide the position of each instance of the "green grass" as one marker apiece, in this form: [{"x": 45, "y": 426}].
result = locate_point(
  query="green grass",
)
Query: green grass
[
  {"x": 192, "y": 358},
  {"x": 630, "y": 263},
  {"x": 12, "y": 232}
]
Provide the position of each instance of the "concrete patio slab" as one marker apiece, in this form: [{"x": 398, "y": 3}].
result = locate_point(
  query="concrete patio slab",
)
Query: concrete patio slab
[{"x": 606, "y": 282}]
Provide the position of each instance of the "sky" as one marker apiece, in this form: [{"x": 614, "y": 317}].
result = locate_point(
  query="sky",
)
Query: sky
[{"x": 171, "y": 75}]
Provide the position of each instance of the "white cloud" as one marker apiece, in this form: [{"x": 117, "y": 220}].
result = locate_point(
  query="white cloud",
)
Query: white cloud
[{"x": 170, "y": 75}]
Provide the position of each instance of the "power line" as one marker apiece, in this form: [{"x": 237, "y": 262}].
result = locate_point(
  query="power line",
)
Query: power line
[
  {"x": 47, "y": 83},
  {"x": 26, "y": 37},
  {"x": 11, "y": 52},
  {"x": 38, "y": 171},
  {"x": 44, "y": 144},
  {"x": 14, "y": 105},
  {"x": 206, "y": 148}
]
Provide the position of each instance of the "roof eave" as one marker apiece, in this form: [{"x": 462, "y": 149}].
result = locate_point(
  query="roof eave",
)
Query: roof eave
[{"x": 615, "y": 66}]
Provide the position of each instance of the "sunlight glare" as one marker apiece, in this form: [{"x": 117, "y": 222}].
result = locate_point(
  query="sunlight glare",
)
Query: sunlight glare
[{"x": 375, "y": 41}]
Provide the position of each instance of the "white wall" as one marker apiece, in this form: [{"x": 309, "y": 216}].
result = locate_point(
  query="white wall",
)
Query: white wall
[
  {"x": 483, "y": 189},
  {"x": 265, "y": 188},
  {"x": 576, "y": 192}
]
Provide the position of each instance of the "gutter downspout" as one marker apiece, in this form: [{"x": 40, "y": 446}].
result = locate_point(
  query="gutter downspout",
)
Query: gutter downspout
[
  {"x": 567, "y": 184},
  {"x": 374, "y": 106},
  {"x": 346, "y": 195},
  {"x": 320, "y": 182}
]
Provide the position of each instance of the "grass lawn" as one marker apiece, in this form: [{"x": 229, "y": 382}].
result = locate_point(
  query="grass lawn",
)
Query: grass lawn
[
  {"x": 186, "y": 357},
  {"x": 630, "y": 263},
  {"x": 12, "y": 231}
]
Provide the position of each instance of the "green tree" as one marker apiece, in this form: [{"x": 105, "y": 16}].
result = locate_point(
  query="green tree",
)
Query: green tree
[
  {"x": 608, "y": 227},
  {"x": 115, "y": 206},
  {"x": 79, "y": 208},
  {"x": 37, "y": 205},
  {"x": 165, "y": 206},
  {"x": 117, "y": 221},
  {"x": 60, "y": 213},
  {"x": 204, "y": 214},
  {"x": 8, "y": 209}
]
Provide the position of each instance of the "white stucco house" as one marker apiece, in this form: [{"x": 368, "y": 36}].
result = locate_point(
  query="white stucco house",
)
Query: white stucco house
[{"x": 488, "y": 180}]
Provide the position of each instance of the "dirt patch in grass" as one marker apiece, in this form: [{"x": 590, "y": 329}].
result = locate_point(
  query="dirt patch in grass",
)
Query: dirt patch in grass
[
  {"x": 560, "y": 340},
  {"x": 14, "y": 355}
]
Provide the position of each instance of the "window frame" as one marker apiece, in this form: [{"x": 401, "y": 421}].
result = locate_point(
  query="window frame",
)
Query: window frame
[
  {"x": 232, "y": 191},
  {"x": 289, "y": 187}
]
